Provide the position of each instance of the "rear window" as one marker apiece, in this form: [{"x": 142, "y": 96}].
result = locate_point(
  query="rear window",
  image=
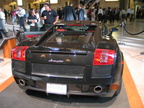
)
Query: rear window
[
  {"x": 72, "y": 35},
  {"x": 71, "y": 38},
  {"x": 84, "y": 40}
]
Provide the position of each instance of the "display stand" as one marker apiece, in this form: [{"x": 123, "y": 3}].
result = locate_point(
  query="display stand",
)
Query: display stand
[
  {"x": 7, "y": 47},
  {"x": 122, "y": 25}
]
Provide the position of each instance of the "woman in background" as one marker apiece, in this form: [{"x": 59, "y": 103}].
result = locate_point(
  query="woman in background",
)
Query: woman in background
[{"x": 32, "y": 20}]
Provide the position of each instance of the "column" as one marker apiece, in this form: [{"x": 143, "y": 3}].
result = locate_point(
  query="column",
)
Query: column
[
  {"x": 122, "y": 4},
  {"x": 131, "y": 4}
]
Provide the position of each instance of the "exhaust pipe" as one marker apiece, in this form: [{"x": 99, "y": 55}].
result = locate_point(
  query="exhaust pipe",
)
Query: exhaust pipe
[
  {"x": 22, "y": 82},
  {"x": 97, "y": 89}
]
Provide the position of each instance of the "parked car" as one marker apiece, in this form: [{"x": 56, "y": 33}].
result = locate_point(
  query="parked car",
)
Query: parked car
[{"x": 70, "y": 58}]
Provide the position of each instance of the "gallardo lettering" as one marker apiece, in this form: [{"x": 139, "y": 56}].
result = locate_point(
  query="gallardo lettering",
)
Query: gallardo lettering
[{"x": 56, "y": 61}]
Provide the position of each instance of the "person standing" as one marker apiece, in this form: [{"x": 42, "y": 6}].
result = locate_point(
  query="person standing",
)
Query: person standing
[
  {"x": 32, "y": 20},
  {"x": 49, "y": 15},
  {"x": 128, "y": 13},
  {"x": 132, "y": 15},
  {"x": 43, "y": 9},
  {"x": 81, "y": 13},
  {"x": 117, "y": 12},
  {"x": 100, "y": 14},
  {"x": 123, "y": 15},
  {"x": 2, "y": 22},
  {"x": 112, "y": 15},
  {"x": 21, "y": 14},
  {"x": 69, "y": 13},
  {"x": 5, "y": 12},
  {"x": 13, "y": 16},
  {"x": 93, "y": 14},
  {"x": 59, "y": 11},
  {"x": 85, "y": 13}
]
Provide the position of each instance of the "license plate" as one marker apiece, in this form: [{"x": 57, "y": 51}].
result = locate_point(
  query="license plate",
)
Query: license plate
[{"x": 56, "y": 88}]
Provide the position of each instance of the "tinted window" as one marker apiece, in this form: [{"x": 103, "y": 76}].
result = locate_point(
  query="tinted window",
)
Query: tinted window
[{"x": 71, "y": 38}]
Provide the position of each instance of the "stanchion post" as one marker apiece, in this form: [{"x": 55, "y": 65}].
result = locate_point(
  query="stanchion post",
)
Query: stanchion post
[{"x": 122, "y": 25}]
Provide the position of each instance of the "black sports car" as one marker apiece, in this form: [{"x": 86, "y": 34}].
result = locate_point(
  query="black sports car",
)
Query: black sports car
[{"x": 70, "y": 58}]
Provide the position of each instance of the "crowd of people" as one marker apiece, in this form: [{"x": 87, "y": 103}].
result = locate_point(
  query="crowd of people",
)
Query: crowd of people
[{"x": 48, "y": 16}]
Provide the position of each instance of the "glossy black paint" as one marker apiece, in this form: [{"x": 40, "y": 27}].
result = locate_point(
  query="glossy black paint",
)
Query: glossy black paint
[{"x": 70, "y": 65}]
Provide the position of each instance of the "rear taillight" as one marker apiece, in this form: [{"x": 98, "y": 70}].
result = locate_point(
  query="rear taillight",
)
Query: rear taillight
[
  {"x": 103, "y": 57},
  {"x": 18, "y": 53}
]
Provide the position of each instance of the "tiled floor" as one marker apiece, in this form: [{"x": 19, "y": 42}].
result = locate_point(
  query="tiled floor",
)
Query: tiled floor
[
  {"x": 134, "y": 45},
  {"x": 5, "y": 68},
  {"x": 135, "y": 63}
]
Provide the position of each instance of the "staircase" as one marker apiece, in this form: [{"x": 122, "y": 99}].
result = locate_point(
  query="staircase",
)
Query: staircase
[{"x": 89, "y": 3}]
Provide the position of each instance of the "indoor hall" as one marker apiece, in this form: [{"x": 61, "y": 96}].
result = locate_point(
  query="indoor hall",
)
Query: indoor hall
[{"x": 132, "y": 47}]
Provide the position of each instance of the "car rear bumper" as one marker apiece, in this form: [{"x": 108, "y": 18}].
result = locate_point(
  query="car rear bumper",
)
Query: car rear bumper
[
  {"x": 76, "y": 88},
  {"x": 102, "y": 94}
]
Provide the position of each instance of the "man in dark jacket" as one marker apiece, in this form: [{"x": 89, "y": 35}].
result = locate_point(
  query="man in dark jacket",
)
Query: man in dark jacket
[
  {"x": 81, "y": 13},
  {"x": 69, "y": 13}
]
